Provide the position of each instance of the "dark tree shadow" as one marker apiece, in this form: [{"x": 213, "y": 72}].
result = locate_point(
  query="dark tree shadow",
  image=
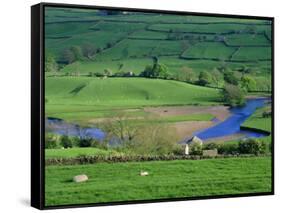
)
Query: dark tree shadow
[{"x": 76, "y": 90}]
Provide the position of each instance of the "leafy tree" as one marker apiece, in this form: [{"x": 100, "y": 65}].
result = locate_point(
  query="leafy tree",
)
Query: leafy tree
[
  {"x": 88, "y": 50},
  {"x": 233, "y": 95},
  {"x": 216, "y": 77},
  {"x": 230, "y": 78},
  {"x": 187, "y": 74},
  {"x": 67, "y": 56},
  {"x": 77, "y": 52},
  {"x": 155, "y": 139},
  {"x": 72, "y": 54},
  {"x": 156, "y": 70},
  {"x": 204, "y": 78},
  {"x": 121, "y": 128},
  {"x": 50, "y": 63},
  {"x": 248, "y": 83}
]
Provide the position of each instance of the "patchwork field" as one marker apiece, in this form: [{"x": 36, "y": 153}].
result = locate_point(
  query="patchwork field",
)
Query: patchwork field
[{"x": 126, "y": 43}]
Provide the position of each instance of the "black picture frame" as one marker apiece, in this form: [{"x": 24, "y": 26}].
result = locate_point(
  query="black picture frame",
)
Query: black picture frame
[{"x": 38, "y": 108}]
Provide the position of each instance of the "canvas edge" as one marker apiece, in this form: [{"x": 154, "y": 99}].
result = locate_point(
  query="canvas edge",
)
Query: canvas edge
[{"x": 37, "y": 103}]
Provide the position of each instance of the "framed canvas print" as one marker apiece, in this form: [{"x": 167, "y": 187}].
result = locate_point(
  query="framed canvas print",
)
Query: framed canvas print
[{"x": 137, "y": 105}]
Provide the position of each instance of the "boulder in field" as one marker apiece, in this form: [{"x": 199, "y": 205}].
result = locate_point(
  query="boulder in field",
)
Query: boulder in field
[{"x": 80, "y": 178}]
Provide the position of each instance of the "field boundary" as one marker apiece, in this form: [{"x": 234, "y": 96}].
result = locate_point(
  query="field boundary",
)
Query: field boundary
[{"x": 138, "y": 158}]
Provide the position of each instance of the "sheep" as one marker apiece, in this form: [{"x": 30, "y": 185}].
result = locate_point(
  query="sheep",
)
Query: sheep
[{"x": 143, "y": 173}]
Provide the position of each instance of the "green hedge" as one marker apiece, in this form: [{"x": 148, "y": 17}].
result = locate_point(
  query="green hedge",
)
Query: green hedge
[{"x": 133, "y": 158}]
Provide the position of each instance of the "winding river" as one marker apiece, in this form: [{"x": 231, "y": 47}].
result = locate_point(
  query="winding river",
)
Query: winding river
[
  {"x": 228, "y": 127},
  {"x": 232, "y": 124}
]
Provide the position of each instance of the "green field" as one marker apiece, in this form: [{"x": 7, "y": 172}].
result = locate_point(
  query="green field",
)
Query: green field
[
  {"x": 82, "y": 95},
  {"x": 170, "y": 179},
  {"x": 209, "y": 50},
  {"x": 252, "y": 53},
  {"x": 246, "y": 40},
  {"x": 258, "y": 121},
  {"x": 76, "y": 152}
]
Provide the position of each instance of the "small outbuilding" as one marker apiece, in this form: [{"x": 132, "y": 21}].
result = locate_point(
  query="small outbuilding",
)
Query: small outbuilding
[{"x": 191, "y": 141}]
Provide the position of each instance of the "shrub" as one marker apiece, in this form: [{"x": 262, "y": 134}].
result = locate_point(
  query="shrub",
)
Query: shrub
[
  {"x": 98, "y": 74},
  {"x": 178, "y": 150},
  {"x": 210, "y": 146},
  {"x": 51, "y": 141},
  {"x": 85, "y": 142},
  {"x": 65, "y": 141},
  {"x": 196, "y": 149},
  {"x": 252, "y": 146},
  {"x": 228, "y": 149}
]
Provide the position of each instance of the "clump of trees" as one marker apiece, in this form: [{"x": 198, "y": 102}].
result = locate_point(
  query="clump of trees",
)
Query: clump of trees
[
  {"x": 230, "y": 78},
  {"x": 248, "y": 83},
  {"x": 204, "y": 78},
  {"x": 233, "y": 95},
  {"x": 88, "y": 50},
  {"x": 186, "y": 74},
  {"x": 150, "y": 139},
  {"x": 76, "y": 53},
  {"x": 252, "y": 146},
  {"x": 156, "y": 70}
]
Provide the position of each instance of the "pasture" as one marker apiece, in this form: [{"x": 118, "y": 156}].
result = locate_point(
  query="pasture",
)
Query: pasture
[
  {"x": 75, "y": 96},
  {"x": 167, "y": 179}
]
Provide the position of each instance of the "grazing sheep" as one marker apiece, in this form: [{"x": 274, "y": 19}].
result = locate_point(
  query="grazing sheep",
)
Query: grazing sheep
[{"x": 143, "y": 173}]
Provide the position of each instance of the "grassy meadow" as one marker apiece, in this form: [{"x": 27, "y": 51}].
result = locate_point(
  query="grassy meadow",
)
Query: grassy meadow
[
  {"x": 149, "y": 81},
  {"x": 171, "y": 179}
]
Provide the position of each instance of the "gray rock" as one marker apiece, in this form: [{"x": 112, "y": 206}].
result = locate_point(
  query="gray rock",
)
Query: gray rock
[{"x": 80, "y": 178}]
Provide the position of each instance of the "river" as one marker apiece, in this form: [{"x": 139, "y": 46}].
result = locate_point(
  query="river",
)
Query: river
[{"x": 232, "y": 124}]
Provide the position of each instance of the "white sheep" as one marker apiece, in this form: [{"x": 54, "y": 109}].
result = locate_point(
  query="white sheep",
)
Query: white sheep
[{"x": 143, "y": 173}]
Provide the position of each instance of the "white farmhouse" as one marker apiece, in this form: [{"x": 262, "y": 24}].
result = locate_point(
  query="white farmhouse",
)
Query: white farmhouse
[{"x": 191, "y": 141}]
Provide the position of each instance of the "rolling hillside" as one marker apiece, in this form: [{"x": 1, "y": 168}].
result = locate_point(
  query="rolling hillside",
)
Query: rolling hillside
[
  {"x": 126, "y": 42},
  {"x": 125, "y": 92}
]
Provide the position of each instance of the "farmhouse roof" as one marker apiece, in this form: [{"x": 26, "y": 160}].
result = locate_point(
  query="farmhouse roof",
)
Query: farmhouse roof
[{"x": 194, "y": 139}]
